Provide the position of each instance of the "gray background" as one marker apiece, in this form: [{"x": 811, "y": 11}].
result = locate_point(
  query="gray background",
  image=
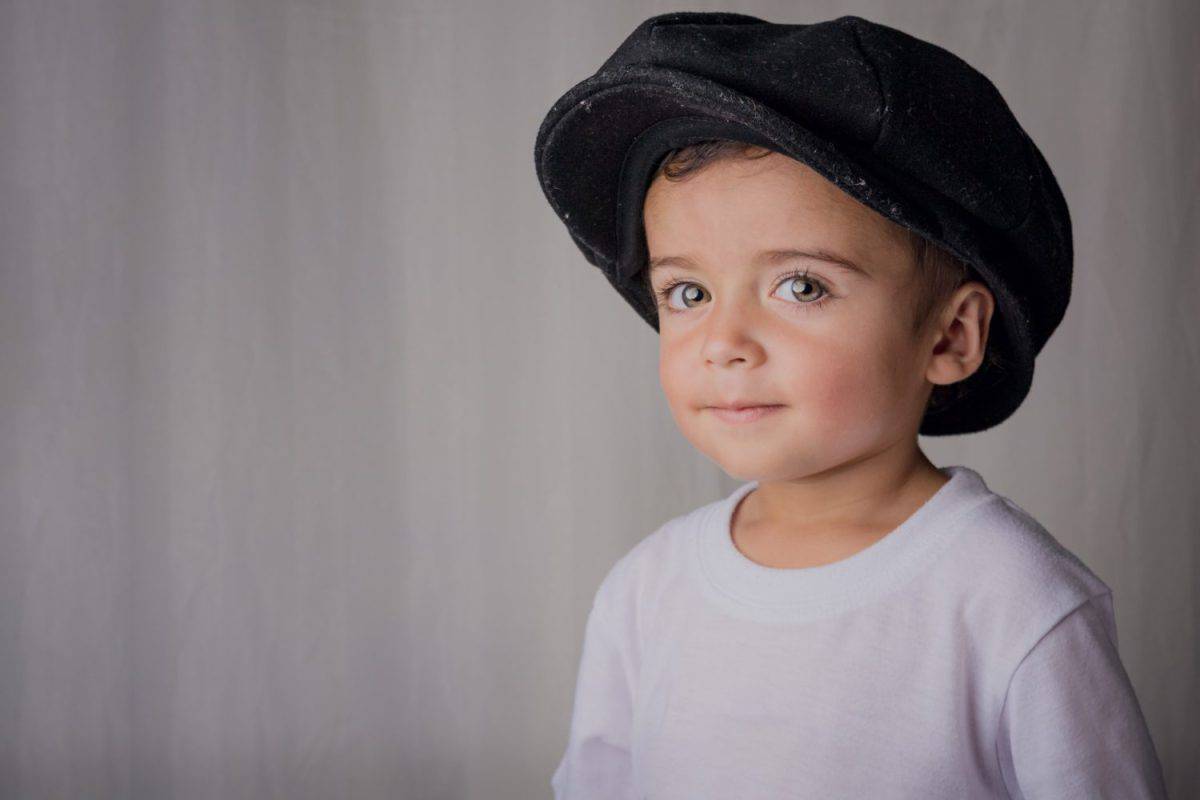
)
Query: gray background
[{"x": 319, "y": 434}]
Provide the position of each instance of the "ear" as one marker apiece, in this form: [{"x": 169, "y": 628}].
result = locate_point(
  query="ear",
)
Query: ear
[{"x": 961, "y": 336}]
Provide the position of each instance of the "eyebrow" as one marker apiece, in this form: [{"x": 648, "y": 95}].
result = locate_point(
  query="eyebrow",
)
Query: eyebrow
[{"x": 768, "y": 258}]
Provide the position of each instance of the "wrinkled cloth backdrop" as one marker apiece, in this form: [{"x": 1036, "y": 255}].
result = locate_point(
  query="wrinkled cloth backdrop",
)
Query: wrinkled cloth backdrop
[{"x": 318, "y": 433}]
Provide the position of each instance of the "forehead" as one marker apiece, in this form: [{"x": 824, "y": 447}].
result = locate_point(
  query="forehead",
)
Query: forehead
[{"x": 765, "y": 213}]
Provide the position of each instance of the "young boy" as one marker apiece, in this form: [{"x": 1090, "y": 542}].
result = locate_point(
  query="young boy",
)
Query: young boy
[{"x": 843, "y": 239}]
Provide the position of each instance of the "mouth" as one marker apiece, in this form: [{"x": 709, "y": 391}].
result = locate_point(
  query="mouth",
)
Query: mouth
[{"x": 743, "y": 413}]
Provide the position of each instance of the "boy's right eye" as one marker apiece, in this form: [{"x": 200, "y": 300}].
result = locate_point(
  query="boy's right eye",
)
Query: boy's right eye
[{"x": 664, "y": 294}]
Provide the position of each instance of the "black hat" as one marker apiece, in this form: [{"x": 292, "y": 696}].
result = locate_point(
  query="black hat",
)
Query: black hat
[{"x": 903, "y": 126}]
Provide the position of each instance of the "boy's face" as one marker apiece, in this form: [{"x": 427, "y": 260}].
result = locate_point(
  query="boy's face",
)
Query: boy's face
[{"x": 849, "y": 372}]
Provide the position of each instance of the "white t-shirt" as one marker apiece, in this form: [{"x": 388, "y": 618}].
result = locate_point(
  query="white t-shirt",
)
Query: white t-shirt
[{"x": 967, "y": 654}]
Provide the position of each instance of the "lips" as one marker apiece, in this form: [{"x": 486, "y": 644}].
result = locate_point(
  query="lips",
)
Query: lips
[
  {"x": 741, "y": 404},
  {"x": 744, "y": 413}
]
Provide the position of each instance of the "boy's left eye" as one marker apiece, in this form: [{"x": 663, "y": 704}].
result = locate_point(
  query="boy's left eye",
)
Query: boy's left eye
[{"x": 803, "y": 279}]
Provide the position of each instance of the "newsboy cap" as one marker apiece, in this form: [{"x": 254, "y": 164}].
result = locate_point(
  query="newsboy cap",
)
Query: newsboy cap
[{"x": 903, "y": 126}]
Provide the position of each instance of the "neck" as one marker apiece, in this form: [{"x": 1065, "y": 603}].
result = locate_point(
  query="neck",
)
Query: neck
[{"x": 875, "y": 492}]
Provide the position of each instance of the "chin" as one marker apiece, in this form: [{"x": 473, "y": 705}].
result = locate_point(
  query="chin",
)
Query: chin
[{"x": 770, "y": 462}]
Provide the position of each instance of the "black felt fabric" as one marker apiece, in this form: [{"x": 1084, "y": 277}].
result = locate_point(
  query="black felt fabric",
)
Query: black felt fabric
[{"x": 900, "y": 124}]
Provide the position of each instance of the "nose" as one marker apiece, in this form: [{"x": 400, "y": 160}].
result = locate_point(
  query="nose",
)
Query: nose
[{"x": 729, "y": 337}]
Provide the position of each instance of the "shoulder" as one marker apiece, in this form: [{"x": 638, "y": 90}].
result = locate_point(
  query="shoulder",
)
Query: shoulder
[
  {"x": 651, "y": 563},
  {"x": 1015, "y": 579},
  {"x": 1023, "y": 554}
]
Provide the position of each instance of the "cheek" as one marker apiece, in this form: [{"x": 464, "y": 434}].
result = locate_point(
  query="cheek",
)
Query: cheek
[
  {"x": 678, "y": 376},
  {"x": 847, "y": 381}
]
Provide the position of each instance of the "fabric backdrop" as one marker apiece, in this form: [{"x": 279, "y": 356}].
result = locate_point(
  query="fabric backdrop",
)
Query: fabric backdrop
[{"x": 318, "y": 434}]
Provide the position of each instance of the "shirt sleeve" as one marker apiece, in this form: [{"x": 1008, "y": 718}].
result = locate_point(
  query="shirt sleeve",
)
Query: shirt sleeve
[
  {"x": 597, "y": 763},
  {"x": 1071, "y": 726}
]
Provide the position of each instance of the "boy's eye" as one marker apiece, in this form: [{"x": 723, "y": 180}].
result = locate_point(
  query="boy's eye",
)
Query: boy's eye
[
  {"x": 799, "y": 287},
  {"x": 803, "y": 288},
  {"x": 691, "y": 291}
]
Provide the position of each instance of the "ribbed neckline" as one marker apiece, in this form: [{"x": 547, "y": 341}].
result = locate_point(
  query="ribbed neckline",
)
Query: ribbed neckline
[{"x": 772, "y": 592}]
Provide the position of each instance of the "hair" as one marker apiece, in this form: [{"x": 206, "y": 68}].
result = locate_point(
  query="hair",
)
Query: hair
[{"x": 937, "y": 275}]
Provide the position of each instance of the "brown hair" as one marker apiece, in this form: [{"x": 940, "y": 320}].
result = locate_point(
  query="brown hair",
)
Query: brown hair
[{"x": 938, "y": 272}]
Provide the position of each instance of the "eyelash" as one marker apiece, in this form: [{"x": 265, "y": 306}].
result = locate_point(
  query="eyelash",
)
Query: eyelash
[{"x": 664, "y": 294}]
